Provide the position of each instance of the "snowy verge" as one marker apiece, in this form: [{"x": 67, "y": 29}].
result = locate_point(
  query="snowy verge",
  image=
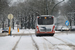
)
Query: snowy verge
[
  {"x": 8, "y": 42},
  {"x": 67, "y": 38}
]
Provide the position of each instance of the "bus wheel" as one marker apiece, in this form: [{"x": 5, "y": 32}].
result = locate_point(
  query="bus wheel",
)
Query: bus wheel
[
  {"x": 37, "y": 35},
  {"x": 52, "y": 34}
]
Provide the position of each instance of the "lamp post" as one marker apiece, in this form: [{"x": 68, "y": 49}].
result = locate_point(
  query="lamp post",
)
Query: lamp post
[{"x": 55, "y": 6}]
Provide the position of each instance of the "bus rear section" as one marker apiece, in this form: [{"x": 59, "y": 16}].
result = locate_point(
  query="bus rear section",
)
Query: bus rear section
[{"x": 45, "y": 25}]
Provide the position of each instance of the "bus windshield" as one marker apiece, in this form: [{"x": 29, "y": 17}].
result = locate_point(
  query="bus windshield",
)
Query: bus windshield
[{"x": 45, "y": 20}]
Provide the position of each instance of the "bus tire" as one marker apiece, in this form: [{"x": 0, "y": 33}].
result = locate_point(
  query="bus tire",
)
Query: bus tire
[
  {"x": 36, "y": 34},
  {"x": 52, "y": 34}
]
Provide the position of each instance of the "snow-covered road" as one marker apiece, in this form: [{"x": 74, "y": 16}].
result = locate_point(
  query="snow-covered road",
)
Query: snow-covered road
[
  {"x": 52, "y": 43},
  {"x": 59, "y": 41}
]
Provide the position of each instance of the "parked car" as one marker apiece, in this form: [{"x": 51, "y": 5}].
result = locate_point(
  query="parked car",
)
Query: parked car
[
  {"x": 58, "y": 28},
  {"x": 5, "y": 30},
  {"x": 73, "y": 28},
  {"x": 65, "y": 28}
]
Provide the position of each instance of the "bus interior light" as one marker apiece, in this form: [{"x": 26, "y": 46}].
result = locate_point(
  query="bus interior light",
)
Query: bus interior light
[{"x": 45, "y": 17}]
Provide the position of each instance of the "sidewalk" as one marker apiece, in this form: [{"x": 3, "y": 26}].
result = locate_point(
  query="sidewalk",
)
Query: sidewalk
[
  {"x": 21, "y": 32},
  {"x": 29, "y": 31}
]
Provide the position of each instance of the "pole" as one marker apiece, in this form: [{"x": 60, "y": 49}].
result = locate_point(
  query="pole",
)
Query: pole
[
  {"x": 55, "y": 6},
  {"x": 8, "y": 22},
  {"x": 13, "y": 23},
  {"x": 10, "y": 16},
  {"x": 10, "y": 27}
]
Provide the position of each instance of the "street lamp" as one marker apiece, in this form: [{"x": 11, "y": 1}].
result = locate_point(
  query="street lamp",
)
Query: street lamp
[{"x": 55, "y": 5}]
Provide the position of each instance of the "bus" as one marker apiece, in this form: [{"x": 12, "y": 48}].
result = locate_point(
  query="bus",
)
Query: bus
[{"x": 44, "y": 25}]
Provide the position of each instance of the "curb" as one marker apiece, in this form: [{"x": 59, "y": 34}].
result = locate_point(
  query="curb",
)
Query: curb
[{"x": 21, "y": 34}]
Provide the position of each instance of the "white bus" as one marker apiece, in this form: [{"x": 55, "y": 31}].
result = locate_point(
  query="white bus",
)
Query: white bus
[{"x": 44, "y": 25}]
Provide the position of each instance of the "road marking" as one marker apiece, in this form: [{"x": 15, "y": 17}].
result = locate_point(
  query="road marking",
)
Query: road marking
[{"x": 16, "y": 44}]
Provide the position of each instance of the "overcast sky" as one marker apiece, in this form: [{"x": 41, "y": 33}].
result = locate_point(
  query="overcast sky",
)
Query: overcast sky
[
  {"x": 15, "y": 2},
  {"x": 62, "y": 0},
  {"x": 62, "y": 3}
]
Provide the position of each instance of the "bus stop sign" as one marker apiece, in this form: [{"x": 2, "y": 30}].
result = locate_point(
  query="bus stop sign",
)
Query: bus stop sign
[
  {"x": 10, "y": 16},
  {"x": 67, "y": 23}
]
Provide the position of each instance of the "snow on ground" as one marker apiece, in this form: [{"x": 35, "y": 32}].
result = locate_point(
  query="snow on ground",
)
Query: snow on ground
[
  {"x": 54, "y": 40},
  {"x": 68, "y": 38},
  {"x": 23, "y": 31},
  {"x": 8, "y": 42},
  {"x": 58, "y": 43},
  {"x": 16, "y": 32},
  {"x": 0, "y": 30},
  {"x": 42, "y": 44},
  {"x": 51, "y": 44},
  {"x": 25, "y": 43}
]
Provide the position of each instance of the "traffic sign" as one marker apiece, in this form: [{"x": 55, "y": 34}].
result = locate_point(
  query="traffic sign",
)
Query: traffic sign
[
  {"x": 67, "y": 23},
  {"x": 10, "y": 16}
]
